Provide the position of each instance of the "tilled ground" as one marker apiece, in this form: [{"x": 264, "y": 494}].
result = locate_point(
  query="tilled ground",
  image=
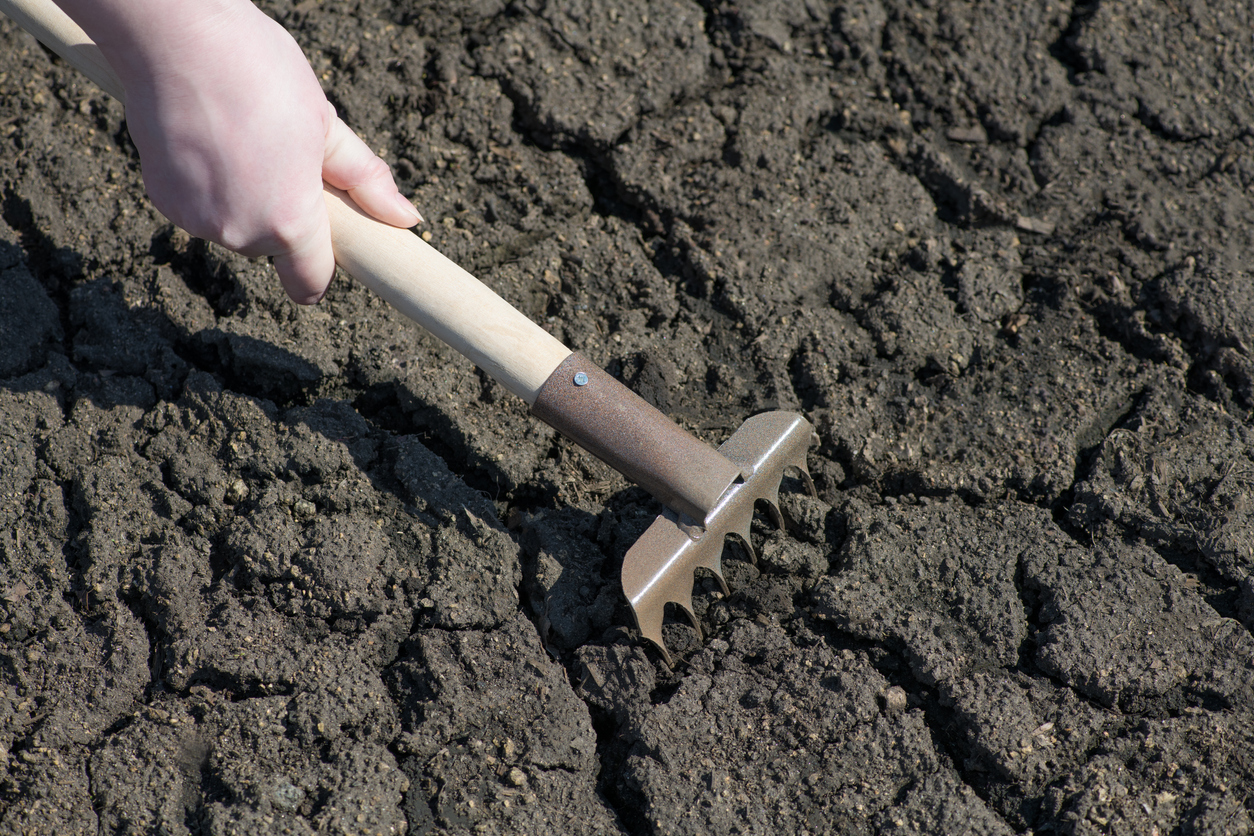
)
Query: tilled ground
[{"x": 270, "y": 569}]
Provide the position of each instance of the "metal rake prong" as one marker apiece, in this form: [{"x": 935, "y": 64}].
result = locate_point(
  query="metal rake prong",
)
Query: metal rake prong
[
  {"x": 806, "y": 478},
  {"x": 712, "y": 559},
  {"x": 742, "y": 534},
  {"x": 722, "y": 582},
  {"x": 654, "y": 635},
  {"x": 659, "y": 568},
  {"x": 686, "y": 609},
  {"x": 772, "y": 509}
]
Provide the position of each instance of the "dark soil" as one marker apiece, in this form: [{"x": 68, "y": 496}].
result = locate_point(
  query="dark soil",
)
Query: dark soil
[{"x": 271, "y": 569}]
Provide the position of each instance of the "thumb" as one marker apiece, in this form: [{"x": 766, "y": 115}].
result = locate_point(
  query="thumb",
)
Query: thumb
[
  {"x": 306, "y": 269},
  {"x": 350, "y": 165}
]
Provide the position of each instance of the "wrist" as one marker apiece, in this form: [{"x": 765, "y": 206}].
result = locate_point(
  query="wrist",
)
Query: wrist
[{"x": 145, "y": 38}]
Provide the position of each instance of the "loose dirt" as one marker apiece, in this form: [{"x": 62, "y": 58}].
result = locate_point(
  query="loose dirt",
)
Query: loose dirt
[{"x": 268, "y": 569}]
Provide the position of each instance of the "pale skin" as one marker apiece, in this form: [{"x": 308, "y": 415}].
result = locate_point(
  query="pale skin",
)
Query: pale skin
[{"x": 234, "y": 133}]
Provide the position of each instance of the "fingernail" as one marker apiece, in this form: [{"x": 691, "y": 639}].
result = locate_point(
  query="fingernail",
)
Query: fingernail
[{"x": 409, "y": 208}]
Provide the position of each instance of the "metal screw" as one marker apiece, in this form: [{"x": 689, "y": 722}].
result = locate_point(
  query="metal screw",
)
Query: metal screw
[{"x": 581, "y": 379}]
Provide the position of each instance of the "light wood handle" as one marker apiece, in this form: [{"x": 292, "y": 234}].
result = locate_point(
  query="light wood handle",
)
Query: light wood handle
[
  {"x": 396, "y": 264},
  {"x": 430, "y": 289},
  {"x": 54, "y": 29}
]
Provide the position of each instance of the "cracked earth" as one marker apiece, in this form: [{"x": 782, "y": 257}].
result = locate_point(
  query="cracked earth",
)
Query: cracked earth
[{"x": 278, "y": 570}]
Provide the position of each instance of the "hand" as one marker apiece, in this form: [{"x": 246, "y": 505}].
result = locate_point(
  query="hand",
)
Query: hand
[{"x": 235, "y": 136}]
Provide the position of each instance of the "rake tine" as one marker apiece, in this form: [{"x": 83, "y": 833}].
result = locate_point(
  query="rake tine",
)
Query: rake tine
[
  {"x": 712, "y": 559},
  {"x": 806, "y": 479},
  {"x": 686, "y": 608},
  {"x": 741, "y": 533},
  {"x": 722, "y": 582},
  {"x": 772, "y": 508},
  {"x": 659, "y": 568}
]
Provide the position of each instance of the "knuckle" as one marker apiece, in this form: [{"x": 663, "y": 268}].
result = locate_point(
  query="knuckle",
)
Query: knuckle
[
  {"x": 289, "y": 230},
  {"x": 272, "y": 235},
  {"x": 377, "y": 169},
  {"x": 231, "y": 236},
  {"x": 370, "y": 171}
]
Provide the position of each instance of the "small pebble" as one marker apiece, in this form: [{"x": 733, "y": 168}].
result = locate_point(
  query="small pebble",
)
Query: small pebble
[
  {"x": 237, "y": 491},
  {"x": 287, "y": 796}
]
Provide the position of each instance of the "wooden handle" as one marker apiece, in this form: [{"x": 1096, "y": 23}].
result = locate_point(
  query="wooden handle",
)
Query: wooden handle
[
  {"x": 407, "y": 272},
  {"x": 427, "y": 287},
  {"x": 54, "y": 29}
]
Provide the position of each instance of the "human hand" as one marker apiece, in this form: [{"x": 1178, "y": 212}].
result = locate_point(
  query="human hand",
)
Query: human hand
[{"x": 235, "y": 135}]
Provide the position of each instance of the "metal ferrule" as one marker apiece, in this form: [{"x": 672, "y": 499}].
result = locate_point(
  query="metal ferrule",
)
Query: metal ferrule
[{"x": 620, "y": 428}]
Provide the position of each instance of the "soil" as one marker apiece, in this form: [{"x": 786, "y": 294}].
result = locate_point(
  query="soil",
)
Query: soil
[{"x": 279, "y": 570}]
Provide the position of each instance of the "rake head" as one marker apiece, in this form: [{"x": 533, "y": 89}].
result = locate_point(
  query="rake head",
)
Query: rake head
[
  {"x": 659, "y": 567},
  {"x": 707, "y": 494}
]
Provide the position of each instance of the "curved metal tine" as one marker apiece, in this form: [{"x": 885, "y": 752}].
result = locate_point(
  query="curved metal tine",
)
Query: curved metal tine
[
  {"x": 806, "y": 478},
  {"x": 686, "y": 607},
  {"x": 741, "y": 533},
  {"x": 772, "y": 509},
  {"x": 653, "y": 633},
  {"x": 722, "y": 582},
  {"x": 714, "y": 562}
]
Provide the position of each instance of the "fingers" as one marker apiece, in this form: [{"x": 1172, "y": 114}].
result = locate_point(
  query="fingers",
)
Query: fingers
[
  {"x": 306, "y": 269},
  {"x": 350, "y": 165}
]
